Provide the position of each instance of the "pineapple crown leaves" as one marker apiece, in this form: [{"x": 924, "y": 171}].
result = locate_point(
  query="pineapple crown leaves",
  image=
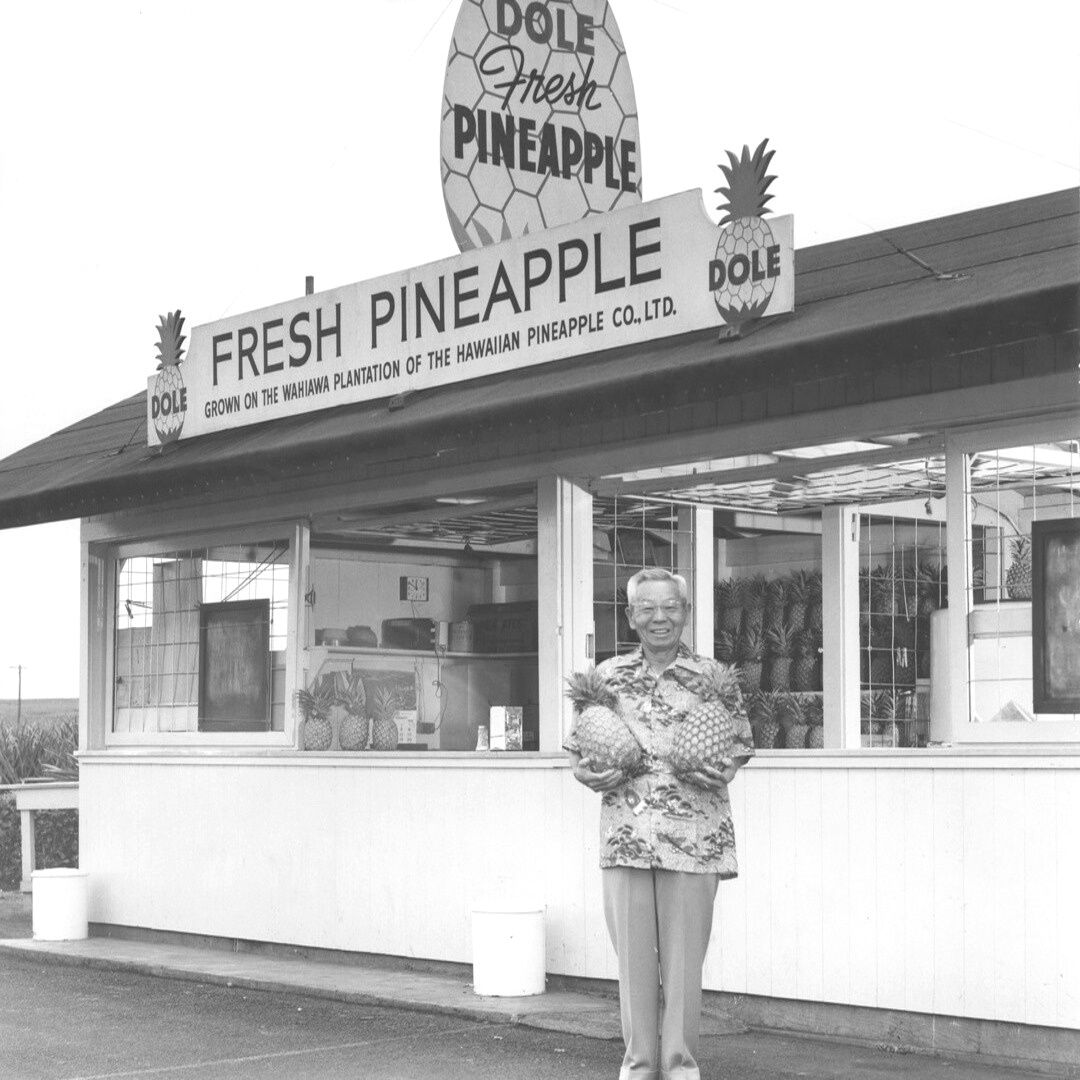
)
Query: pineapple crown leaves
[
  {"x": 747, "y": 184},
  {"x": 387, "y": 702},
  {"x": 753, "y": 592},
  {"x": 720, "y": 682},
  {"x": 588, "y": 688},
  {"x": 170, "y": 343},
  {"x": 781, "y": 639},
  {"x": 776, "y": 593},
  {"x": 790, "y": 709},
  {"x": 350, "y": 693},
  {"x": 724, "y": 646},
  {"x": 728, "y": 592},
  {"x": 798, "y": 587},
  {"x": 751, "y": 644},
  {"x": 317, "y": 700}
]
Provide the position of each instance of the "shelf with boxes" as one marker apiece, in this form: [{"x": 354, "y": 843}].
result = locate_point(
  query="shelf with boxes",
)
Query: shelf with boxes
[{"x": 452, "y": 636}]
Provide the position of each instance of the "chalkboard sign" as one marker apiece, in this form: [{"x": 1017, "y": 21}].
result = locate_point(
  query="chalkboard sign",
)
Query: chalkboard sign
[
  {"x": 234, "y": 666},
  {"x": 1055, "y": 615}
]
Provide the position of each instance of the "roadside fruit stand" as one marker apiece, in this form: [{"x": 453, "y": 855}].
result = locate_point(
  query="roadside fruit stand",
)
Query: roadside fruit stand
[{"x": 330, "y": 603}]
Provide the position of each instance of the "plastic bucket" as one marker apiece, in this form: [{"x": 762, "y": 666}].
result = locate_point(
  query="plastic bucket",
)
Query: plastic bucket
[
  {"x": 59, "y": 904},
  {"x": 508, "y": 952}
]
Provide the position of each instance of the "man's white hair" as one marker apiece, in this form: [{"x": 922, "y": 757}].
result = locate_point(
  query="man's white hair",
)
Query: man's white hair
[{"x": 656, "y": 573}]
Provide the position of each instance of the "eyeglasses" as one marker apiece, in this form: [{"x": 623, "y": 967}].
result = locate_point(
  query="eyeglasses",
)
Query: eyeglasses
[{"x": 671, "y": 608}]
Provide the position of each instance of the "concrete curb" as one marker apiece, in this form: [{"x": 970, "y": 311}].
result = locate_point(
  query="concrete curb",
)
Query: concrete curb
[{"x": 563, "y": 1011}]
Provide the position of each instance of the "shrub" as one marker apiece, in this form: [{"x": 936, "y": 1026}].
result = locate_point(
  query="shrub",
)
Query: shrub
[{"x": 37, "y": 750}]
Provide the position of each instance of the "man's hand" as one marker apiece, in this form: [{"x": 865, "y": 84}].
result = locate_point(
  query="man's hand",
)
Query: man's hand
[
  {"x": 716, "y": 779},
  {"x": 607, "y": 780}
]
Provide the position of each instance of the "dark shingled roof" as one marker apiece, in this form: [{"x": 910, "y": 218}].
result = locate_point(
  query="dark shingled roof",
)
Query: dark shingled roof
[{"x": 1019, "y": 256}]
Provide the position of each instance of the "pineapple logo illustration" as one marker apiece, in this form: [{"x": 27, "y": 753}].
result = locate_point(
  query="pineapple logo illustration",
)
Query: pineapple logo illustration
[
  {"x": 169, "y": 404},
  {"x": 744, "y": 272}
]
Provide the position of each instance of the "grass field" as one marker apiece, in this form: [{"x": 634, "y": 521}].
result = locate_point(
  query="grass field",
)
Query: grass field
[{"x": 45, "y": 711}]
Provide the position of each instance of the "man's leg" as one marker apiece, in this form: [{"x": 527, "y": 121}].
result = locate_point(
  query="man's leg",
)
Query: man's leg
[
  {"x": 685, "y": 908},
  {"x": 629, "y": 908}
]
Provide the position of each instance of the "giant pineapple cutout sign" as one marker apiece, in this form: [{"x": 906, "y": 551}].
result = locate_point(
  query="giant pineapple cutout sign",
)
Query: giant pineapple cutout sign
[
  {"x": 753, "y": 257},
  {"x": 539, "y": 123}
]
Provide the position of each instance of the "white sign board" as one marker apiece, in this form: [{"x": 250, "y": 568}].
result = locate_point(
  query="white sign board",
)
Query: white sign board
[
  {"x": 650, "y": 271},
  {"x": 539, "y": 121}
]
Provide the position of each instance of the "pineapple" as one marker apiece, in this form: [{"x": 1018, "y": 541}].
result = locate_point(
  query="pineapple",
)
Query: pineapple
[
  {"x": 883, "y": 712},
  {"x": 1018, "y": 579},
  {"x": 751, "y": 651},
  {"x": 813, "y": 603},
  {"x": 353, "y": 732},
  {"x": 753, "y": 601},
  {"x": 798, "y": 599},
  {"x": 706, "y": 734},
  {"x": 763, "y": 713},
  {"x": 793, "y": 721},
  {"x": 384, "y": 732},
  {"x": 775, "y": 603},
  {"x": 781, "y": 642},
  {"x": 744, "y": 231},
  {"x": 728, "y": 605},
  {"x": 724, "y": 647},
  {"x": 805, "y": 666},
  {"x": 815, "y": 717},
  {"x": 315, "y": 705},
  {"x": 602, "y": 736},
  {"x": 169, "y": 405},
  {"x": 933, "y": 588}
]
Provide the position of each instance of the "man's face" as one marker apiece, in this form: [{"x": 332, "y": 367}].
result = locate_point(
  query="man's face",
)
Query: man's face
[{"x": 657, "y": 614}]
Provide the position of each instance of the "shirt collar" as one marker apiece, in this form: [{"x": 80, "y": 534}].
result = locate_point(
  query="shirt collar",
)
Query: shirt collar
[{"x": 684, "y": 658}]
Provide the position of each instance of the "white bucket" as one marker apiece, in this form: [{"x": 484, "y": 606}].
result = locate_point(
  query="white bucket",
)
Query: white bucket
[
  {"x": 508, "y": 952},
  {"x": 59, "y": 904}
]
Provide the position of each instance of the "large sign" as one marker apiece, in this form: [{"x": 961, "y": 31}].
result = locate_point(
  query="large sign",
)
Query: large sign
[
  {"x": 539, "y": 121},
  {"x": 646, "y": 272}
]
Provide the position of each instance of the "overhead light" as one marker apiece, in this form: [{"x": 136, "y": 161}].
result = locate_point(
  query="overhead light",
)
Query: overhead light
[{"x": 460, "y": 500}]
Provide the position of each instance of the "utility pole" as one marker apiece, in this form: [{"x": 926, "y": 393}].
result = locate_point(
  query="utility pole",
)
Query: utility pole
[{"x": 18, "y": 713}]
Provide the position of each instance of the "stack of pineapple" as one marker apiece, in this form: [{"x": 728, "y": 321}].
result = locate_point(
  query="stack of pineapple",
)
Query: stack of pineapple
[{"x": 771, "y": 629}]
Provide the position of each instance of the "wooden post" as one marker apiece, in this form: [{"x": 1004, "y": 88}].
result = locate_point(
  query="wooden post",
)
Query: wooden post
[
  {"x": 695, "y": 552},
  {"x": 565, "y": 611},
  {"x": 26, "y": 822},
  {"x": 958, "y": 515},
  {"x": 840, "y": 625},
  {"x": 299, "y": 636}
]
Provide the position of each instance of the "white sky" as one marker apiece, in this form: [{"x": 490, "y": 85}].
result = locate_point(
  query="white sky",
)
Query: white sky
[{"x": 207, "y": 156}]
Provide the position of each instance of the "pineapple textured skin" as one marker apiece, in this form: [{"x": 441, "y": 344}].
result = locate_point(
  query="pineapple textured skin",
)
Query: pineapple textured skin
[
  {"x": 606, "y": 741},
  {"x": 706, "y": 735}
]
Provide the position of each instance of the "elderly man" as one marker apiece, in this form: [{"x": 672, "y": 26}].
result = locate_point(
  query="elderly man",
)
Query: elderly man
[{"x": 666, "y": 840}]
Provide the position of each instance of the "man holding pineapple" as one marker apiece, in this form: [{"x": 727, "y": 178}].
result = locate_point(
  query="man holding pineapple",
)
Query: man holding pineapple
[{"x": 665, "y": 820}]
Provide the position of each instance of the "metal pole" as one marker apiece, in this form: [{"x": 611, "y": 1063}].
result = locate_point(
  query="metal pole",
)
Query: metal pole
[{"x": 18, "y": 712}]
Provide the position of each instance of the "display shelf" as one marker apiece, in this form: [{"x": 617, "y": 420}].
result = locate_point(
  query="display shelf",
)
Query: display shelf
[{"x": 426, "y": 654}]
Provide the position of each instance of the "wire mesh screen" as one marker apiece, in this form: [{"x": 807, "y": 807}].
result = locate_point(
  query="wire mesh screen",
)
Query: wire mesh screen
[
  {"x": 902, "y": 581},
  {"x": 630, "y": 534},
  {"x": 1008, "y": 490},
  {"x": 157, "y": 651}
]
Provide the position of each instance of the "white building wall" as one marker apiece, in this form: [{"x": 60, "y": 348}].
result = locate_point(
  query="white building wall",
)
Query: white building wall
[{"x": 928, "y": 882}]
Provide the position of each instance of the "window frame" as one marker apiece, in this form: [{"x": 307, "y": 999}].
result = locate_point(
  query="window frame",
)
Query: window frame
[
  {"x": 959, "y": 447},
  {"x": 100, "y": 625}
]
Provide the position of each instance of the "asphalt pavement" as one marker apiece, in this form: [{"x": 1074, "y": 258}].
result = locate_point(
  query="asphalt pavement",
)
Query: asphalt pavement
[{"x": 61, "y": 1019}]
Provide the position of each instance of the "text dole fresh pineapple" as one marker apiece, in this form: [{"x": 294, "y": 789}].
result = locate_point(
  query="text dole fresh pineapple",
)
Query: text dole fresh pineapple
[
  {"x": 706, "y": 735},
  {"x": 602, "y": 736}
]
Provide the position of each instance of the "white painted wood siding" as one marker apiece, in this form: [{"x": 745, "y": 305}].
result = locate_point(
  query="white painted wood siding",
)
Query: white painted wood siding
[{"x": 944, "y": 886}]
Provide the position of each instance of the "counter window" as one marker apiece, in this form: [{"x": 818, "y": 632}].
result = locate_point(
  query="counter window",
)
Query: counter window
[
  {"x": 200, "y": 640},
  {"x": 425, "y": 621},
  {"x": 1024, "y": 583}
]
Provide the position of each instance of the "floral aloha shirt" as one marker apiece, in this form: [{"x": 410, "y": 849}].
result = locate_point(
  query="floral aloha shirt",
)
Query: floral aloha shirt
[{"x": 656, "y": 820}]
